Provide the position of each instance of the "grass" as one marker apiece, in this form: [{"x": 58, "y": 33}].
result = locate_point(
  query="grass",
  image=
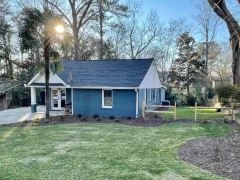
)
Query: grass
[
  {"x": 189, "y": 113},
  {"x": 101, "y": 151}
]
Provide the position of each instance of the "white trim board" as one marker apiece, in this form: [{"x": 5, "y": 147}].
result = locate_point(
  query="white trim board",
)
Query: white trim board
[{"x": 40, "y": 78}]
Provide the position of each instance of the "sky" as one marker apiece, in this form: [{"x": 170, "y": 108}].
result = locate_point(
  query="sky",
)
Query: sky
[{"x": 175, "y": 9}]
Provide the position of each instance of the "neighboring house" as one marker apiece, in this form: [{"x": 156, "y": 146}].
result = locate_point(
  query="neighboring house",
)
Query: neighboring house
[
  {"x": 225, "y": 80},
  {"x": 103, "y": 87}
]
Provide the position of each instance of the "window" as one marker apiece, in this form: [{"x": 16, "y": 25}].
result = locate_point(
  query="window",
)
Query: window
[
  {"x": 107, "y": 100},
  {"x": 152, "y": 95},
  {"x": 156, "y": 95}
]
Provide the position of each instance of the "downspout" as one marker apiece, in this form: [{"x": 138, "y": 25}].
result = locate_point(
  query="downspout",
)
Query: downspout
[{"x": 136, "y": 103}]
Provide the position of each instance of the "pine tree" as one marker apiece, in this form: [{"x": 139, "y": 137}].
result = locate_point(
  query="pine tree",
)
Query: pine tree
[{"x": 188, "y": 68}]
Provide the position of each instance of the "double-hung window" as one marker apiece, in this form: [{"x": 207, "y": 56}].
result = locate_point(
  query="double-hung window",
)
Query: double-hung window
[
  {"x": 152, "y": 94},
  {"x": 107, "y": 98}
]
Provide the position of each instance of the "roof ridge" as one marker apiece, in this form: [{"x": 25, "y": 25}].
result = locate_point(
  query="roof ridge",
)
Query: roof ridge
[{"x": 110, "y": 60}]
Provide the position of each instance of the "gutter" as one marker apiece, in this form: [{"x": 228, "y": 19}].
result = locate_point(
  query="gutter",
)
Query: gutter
[
  {"x": 163, "y": 87},
  {"x": 136, "y": 103}
]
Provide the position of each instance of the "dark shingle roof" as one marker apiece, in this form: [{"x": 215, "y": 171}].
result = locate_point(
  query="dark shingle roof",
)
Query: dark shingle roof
[{"x": 105, "y": 73}]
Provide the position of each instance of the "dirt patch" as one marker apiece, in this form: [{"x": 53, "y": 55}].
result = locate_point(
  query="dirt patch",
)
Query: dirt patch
[{"x": 219, "y": 155}]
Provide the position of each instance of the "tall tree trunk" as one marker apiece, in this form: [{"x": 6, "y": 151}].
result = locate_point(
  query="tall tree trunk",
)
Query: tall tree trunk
[
  {"x": 220, "y": 8},
  {"x": 207, "y": 50},
  {"x": 101, "y": 29},
  {"x": 234, "y": 41},
  {"x": 47, "y": 44}
]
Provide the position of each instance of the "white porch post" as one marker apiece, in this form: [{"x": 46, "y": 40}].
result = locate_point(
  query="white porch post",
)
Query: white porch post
[
  {"x": 59, "y": 98},
  {"x": 33, "y": 100}
]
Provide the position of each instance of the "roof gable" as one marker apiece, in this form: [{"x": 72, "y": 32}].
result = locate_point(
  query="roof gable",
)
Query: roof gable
[
  {"x": 151, "y": 79},
  {"x": 39, "y": 80},
  {"x": 105, "y": 73}
]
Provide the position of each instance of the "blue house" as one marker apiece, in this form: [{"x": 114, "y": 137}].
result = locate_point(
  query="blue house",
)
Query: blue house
[{"x": 104, "y": 87}]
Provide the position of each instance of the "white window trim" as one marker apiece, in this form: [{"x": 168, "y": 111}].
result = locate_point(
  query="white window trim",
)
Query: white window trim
[
  {"x": 103, "y": 98},
  {"x": 156, "y": 95},
  {"x": 150, "y": 94}
]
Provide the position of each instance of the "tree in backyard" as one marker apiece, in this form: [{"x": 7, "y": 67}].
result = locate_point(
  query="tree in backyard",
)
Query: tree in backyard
[
  {"x": 164, "y": 50},
  {"x": 208, "y": 28},
  {"x": 222, "y": 67},
  {"x": 107, "y": 10},
  {"x": 220, "y": 8},
  {"x": 188, "y": 68},
  {"x": 140, "y": 34},
  {"x": 81, "y": 13}
]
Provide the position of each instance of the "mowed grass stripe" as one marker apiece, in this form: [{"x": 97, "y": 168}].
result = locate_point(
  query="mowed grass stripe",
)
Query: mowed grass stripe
[{"x": 102, "y": 151}]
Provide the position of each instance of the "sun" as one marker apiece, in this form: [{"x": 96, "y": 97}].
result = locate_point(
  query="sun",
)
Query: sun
[{"x": 59, "y": 29}]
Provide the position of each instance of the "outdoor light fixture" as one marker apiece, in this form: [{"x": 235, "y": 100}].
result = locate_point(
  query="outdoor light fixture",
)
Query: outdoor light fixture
[{"x": 59, "y": 29}]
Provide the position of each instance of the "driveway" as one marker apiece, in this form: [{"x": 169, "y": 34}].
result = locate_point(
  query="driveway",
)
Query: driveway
[{"x": 21, "y": 114}]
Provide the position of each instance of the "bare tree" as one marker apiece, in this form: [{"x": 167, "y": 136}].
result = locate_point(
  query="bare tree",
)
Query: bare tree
[
  {"x": 209, "y": 23},
  {"x": 80, "y": 14},
  {"x": 220, "y": 8},
  {"x": 140, "y": 33},
  {"x": 164, "y": 50}
]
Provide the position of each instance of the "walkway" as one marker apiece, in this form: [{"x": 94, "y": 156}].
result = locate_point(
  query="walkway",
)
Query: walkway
[{"x": 24, "y": 113}]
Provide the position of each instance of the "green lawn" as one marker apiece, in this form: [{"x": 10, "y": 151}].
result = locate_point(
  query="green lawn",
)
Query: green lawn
[
  {"x": 189, "y": 113},
  {"x": 101, "y": 151}
]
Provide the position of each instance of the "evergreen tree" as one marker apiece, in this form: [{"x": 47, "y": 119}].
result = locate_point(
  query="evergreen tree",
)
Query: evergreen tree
[{"x": 188, "y": 67}]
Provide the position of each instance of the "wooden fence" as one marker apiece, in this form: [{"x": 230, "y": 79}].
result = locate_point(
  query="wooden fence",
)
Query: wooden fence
[
  {"x": 200, "y": 107},
  {"x": 144, "y": 110}
]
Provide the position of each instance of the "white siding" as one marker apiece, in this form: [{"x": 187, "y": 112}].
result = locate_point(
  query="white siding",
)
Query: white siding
[
  {"x": 53, "y": 79},
  {"x": 151, "y": 79}
]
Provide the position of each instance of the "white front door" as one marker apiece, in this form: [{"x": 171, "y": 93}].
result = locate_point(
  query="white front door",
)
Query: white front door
[{"x": 56, "y": 99}]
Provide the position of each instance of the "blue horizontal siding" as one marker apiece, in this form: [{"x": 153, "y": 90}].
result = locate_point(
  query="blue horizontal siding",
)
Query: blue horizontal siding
[
  {"x": 68, "y": 96},
  {"x": 89, "y": 102}
]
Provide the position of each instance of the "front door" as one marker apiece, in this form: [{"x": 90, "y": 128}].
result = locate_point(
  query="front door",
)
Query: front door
[{"x": 56, "y": 99}]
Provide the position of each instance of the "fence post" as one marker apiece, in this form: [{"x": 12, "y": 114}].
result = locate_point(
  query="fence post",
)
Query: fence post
[
  {"x": 143, "y": 109},
  {"x": 175, "y": 111},
  {"x": 195, "y": 111},
  {"x": 232, "y": 111}
]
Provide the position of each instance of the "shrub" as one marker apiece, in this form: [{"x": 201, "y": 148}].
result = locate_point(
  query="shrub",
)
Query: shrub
[
  {"x": 170, "y": 96},
  {"x": 129, "y": 117},
  {"x": 189, "y": 99},
  {"x": 226, "y": 91},
  {"x": 84, "y": 118},
  {"x": 95, "y": 116},
  {"x": 35, "y": 120},
  {"x": 100, "y": 119},
  {"x": 117, "y": 120},
  {"x": 62, "y": 118},
  {"x": 225, "y": 102},
  {"x": 54, "y": 122},
  {"x": 112, "y": 117},
  {"x": 211, "y": 93},
  {"x": 79, "y": 115}
]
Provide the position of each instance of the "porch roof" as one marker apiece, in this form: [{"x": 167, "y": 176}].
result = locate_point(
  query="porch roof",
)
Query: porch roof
[{"x": 43, "y": 84}]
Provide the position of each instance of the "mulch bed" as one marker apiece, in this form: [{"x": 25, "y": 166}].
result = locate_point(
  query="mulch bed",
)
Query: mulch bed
[
  {"x": 151, "y": 121},
  {"x": 219, "y": 155}
]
